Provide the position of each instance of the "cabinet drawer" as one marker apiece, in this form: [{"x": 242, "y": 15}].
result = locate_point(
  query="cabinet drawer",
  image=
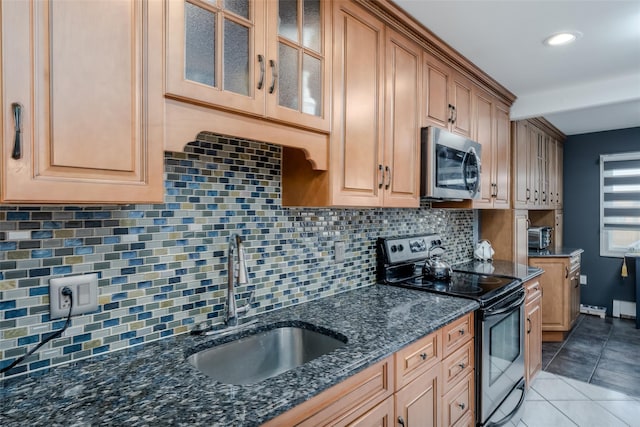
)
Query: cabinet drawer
[
  {"x": 466, "y": 421},
  {"x": 532, "y": 289},
  {"x": 416, "y": 358},
  {"x": 458, "y": 402},
  {"x": 458, "y": 365},
  {"x": 353, "y": 397},
  {"x": 457, "y": 333}
]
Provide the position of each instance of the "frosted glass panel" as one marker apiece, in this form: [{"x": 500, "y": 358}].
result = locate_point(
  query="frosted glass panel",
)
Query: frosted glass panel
[
  {"x": 239, "y": 7},
  {"x": 311, "y": 85},
  {"x": 200, "y": 51},
  {"x": 288, "y": 19},
  {"x": 311, "y": 24},
  {"x": 288, "y": 78},
  {"x": 236, "y": 58}
]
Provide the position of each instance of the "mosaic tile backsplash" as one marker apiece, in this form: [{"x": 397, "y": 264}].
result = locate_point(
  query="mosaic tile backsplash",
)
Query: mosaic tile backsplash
[{"x": 163, "y": 268}]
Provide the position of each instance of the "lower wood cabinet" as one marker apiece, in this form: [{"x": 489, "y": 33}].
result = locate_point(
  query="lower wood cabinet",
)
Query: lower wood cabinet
[
  {"x": 430, "y": 382},
  {"x": 533, "y": 329}
]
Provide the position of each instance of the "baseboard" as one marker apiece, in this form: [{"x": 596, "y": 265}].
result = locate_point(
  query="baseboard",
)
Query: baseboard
[{"x": 624, "y": 309}]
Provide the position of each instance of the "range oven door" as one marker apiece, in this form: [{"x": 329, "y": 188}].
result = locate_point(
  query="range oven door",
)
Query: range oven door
[{"x": 501, "y": 355}]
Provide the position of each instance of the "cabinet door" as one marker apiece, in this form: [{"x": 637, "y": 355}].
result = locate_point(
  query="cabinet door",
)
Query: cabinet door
[
  {"x": 551, "y": 162},
  {"x": 461, "y": 98},
  {"x": 557, "y": 232},
  {"x": 533, "y": 325},
  {"x": 402, "y": 122},
  {"x": 502, "y": 156},
  {"x": 484, "y": 135},
  {"x": 521, "y": 237},
  {"x": 215, "y": 53},
  {"x": 521, "y": 153},
  {"x": 90, "y": 114},
  {"x": 559, "y": 173},
  {"x": 358, "y": 107},
  {"x": 418, "y": 403},
  {"x": 436, "y": 84},
  {"x": 298, "y": 59},
  {"x": 534, "y": 165},
  {"x": 382, "y": 415},
  {"x": 556, "y": 303},
  {"x": 575, "y": 295}
]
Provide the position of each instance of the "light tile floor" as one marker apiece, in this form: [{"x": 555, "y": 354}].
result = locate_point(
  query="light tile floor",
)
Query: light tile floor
[{"x": 557, "y": 401}]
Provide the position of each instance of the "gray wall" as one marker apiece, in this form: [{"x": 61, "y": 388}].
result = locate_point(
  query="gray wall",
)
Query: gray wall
[{"x": 582, "y": 213}]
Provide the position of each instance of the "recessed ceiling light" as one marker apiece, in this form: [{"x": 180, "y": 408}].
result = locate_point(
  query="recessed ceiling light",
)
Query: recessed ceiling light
[{"x": 563, "y": 38}]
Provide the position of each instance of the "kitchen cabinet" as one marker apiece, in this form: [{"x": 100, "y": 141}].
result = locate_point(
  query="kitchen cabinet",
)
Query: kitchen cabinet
[
  {"x": 427, "y": 383},
  {"x": 374, "y": 148},
  {"x": 560, "y": 294},
  {"x": 558, "y": 229},
  {"x": 492, "y": 129},
  {"x": 506, "y": 229},
  {"x": 80, "y": 82},
  {"x": 263, "y": 58},
  {"x": 448, "y": 97},
  {"x": 533, "y": 331},
  {"x": 537, "y": 165}
]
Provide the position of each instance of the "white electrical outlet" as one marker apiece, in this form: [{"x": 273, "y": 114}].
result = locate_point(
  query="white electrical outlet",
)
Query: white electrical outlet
[
  {"x": 583, "y": 279},
  {"x": 84, "y": 293},
  {"x": 339, "y": 250}
]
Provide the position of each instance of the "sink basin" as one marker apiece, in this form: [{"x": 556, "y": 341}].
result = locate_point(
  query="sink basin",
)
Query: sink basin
[{"x": 263, "y": 355}]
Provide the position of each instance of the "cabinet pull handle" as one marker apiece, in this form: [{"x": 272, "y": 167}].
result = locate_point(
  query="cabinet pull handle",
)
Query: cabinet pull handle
[
  {"x": 261, "y": 62},
  {"x": 529, "y": 323},
  {"x": 423, "y": 356},
  {"x": 535, "y": 196},
  {"x": 387, "y": 170},
  {"x": 401, "y": 421},
  {"x": 462, "y": 406},
  {"x": 528, "y": 193},
  {"x": 450, "y": 119},
  {"x": 17, "y": 145},
  {"x": 274, "y": 75},
  {"x": 380, "y": 176},
  {"x": 528, "y": 223},
  {"x": 461, "y": 331},
  {"x": 455, "y": 114},
  {"x": 544, "y": 196},
  {"x": 462, "y": 366},
  {"x": 566, "y": 272}
]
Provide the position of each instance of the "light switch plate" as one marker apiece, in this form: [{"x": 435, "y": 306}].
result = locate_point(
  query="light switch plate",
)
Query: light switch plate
[
  {"x": 583, "y": 279},
  {"x": 84, "y": 296},
  {"x": 339, "y": 251}
]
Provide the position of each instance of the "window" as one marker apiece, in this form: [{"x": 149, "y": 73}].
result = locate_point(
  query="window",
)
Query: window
[{"x": 619, "y": 203}]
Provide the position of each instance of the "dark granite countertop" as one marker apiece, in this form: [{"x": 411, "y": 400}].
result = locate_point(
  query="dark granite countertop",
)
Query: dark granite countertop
[
  {"x": 500, "y": 268},
  {"x": 555, "y": 252},
  {"x": 152, "y": 384}
]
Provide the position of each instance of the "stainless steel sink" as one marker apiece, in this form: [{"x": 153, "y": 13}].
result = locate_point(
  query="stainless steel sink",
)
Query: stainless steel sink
[{"x": 263, "y": 355}]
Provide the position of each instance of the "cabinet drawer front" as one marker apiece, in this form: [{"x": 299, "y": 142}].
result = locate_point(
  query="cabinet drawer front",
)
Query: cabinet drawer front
[
  {"x": 458, "y": 402},
  {"x": 533, "y": 289},
  {"x": 457, "y": 333},
  {"x": 457, "y": 366},
  {"x": 416, "y": 358}
]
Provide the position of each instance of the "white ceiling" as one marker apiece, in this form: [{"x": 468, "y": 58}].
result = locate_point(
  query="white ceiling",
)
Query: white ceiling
[{"x": 588, "y": 86}]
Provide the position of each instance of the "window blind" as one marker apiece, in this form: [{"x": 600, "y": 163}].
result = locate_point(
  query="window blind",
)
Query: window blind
[{"x": 620, "y": 191}]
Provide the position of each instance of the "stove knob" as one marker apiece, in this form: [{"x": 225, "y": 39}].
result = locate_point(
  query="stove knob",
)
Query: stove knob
[
  {"x": 394, "y": 249},
  {"x": 400, "y": 248}
]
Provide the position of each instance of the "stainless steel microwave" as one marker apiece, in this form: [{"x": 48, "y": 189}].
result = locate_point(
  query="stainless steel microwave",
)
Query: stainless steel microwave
[{"x": 450, "y": 165}]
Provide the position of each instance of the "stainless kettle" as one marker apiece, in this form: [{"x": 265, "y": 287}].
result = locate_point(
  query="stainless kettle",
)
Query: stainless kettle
[{"x": 435, "y": 268}]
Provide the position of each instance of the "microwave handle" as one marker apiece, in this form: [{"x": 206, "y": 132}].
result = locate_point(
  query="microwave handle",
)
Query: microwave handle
[{"x": 465, "y": 161}]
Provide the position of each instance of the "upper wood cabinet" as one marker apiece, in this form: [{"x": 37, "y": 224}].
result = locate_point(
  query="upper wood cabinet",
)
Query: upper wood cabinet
[
  {"x": 265, "y": 58},
  {"x": 537, "y": 165},
  {"x": 447, "y": 97},
  {"x": 492, "y": 129},
  {"x": 375, "y": 140},
  {"x": 80, "y": 82}
]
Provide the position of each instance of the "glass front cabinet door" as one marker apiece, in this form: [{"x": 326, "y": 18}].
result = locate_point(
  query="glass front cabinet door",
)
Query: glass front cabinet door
[{"x": 262, "y": 57}]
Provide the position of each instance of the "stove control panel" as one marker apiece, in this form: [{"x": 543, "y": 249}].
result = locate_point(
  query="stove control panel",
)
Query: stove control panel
[{"x": 411, "y": 248}]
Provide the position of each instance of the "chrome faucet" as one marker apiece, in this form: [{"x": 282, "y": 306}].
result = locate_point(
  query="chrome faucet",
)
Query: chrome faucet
[{"x": 237, "y": 274}]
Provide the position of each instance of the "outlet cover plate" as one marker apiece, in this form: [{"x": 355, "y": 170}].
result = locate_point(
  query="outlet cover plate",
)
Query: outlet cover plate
[
  {"x": 339, "y": 251},
  {"x": 84, "y": 290}
]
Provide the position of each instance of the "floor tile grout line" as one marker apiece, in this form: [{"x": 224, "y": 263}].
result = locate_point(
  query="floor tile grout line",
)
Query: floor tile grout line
[
  {"x": 580, "y": 319},
  {"x": 593, "y": 372}
]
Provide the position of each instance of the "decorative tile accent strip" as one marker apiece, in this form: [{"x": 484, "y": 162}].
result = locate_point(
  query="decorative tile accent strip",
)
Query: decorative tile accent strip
[{"x": 162, "y": 268}]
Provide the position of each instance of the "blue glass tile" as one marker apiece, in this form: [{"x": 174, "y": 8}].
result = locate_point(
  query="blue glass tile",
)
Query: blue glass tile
[
  {"x": 188, "y": 220},
  {"x": 182, "y": 242},
  {"x": 120, "y": 231},
  {"x": 81, "y": 338},
  {"x": 159, "y": 327},
  {"x": 137, "y": 246},
  {"x": 71, "y": 348},
  {"x": 200, "y": 304},
  {"x": 137, "y": 261},
  {"x": 201, "y": 248},
  {"x": 41, "y": 253},
  {"x": 194, "y": 256},
  {"x": 160, "y": 297},
  {"x": 175, "y": 279},
  {"x": 136, "y": 309},
  {"x": 144, "y": 316},
  {"x": 127, "y": 335},
  {"x": 119, "y": 296},
  {"x": 166, "y": 288},
  {"x": 118, "y": 280},
  {"x": 8, "y": 246},
  {"x": 159, "y": 267},
  {"x": 168, "y": 318},
  {"x": 173, "y": 206},
  {"x": 129, "y": 254},
  {"x": 39, "y": 272},
  {"x": 84, "y": 250},
  {"x": 52, "y": 225},
  {"x": 166, "y": 333},
  {"x": 101, "y": 349},
  {"x": 159, "y": 221},
  {"x": 188, "y": 321},
  {"x": 41, "y": 234},
  {"x": 17, "y": 216},
  {"x": 110, "y": 240},
  {"x": 40, "y": 290},
  {"x": 168, "y": 229},
  {"x": 128, "y": 270},
  {"x": 8, "y": 305},
  {"x": 65, "y": 269},
  {"x": 206, "y": 282},
  {"x": 201, "y": 262},
  {"x": 110, "y": 323},
  {"x": 186, "y": 307},
  {"x": 1, "y": 275},
  {"x": 194, "y": 199},
  {"x": 136, "y": 230},
  {"x": 135, "y": 341},
  {"x": 144, "y": 285},
  {"x": 39, "y": 364},
  {"x": 187, "y": 292},
  {"x": 68, "y": 243},
  {"x": 180, "y": 271},
  {"x": 28, "y": 340},
  {"x": 167, "y": 214},
  {"x": 112, "y": 306},
  {"x": 136, "y": 214}
]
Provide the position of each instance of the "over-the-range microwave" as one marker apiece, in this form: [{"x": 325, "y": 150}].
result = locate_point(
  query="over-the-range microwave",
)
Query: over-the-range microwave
[{"x": 450, "y": 165}]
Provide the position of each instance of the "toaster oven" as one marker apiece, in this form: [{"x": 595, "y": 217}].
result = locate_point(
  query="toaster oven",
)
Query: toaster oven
[{"x": 539, "y": 237}]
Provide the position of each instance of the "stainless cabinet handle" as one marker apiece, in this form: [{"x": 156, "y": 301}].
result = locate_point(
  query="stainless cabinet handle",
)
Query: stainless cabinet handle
[
  {"x": 544, "y": 196},
  {"x": 455, "y": 114},
  {"x": 423, "y": 356},
  {"x": 535, "y": 196},
  {"x": 261, "y": 62},
  {"x": 529, "y": 323},
  {"x": 462, "y": 366},
  {"x": 17, "y": 144},
  {"x": 387, "y": 170},
  {"x": 451, "y": 109},
  {"x": 274, "y": 75},
  {"x": 462, "y": 406},
  {"x": 401, "y": 421},
  {"x": 566, "y": 272},
  {"x": 380, "y": 176},
  {"x": 528, "y": 193},
  {"x": 461, "y": 331}
]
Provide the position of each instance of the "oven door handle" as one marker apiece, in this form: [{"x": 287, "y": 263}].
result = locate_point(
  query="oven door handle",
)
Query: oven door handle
[
  {"x": 511, "y": 307},
  {"x": 506, "y": 419}
]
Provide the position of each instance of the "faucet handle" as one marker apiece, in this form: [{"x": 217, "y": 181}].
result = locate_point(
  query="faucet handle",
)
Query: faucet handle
[{"x": 243, "y": 275}]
